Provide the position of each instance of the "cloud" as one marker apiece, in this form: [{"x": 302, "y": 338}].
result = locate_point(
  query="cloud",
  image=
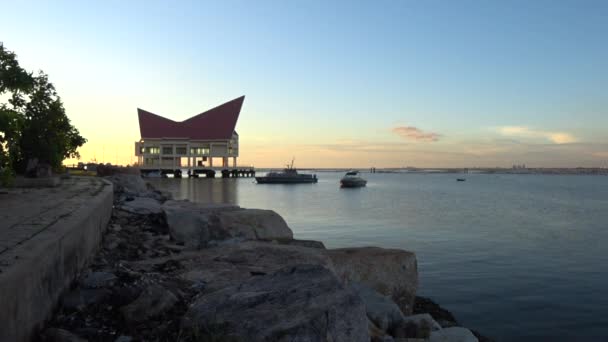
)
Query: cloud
[
  {"x": 413, "y": 133},
  {"x": 523, "y": 131}
]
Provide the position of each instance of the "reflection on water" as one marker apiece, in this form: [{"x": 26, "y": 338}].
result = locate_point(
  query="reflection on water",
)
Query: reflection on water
[{"x": 201, "y": 190}]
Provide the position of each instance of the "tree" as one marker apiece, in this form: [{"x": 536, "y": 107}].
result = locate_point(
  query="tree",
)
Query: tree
[
  {"x": 46, "y": 133},
  {"x": 33, "y": 124},
  {"x": 15, "y": 80}
]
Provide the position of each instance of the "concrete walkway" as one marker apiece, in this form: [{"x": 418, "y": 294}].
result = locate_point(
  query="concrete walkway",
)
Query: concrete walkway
[{"x": 47, "y": 236}]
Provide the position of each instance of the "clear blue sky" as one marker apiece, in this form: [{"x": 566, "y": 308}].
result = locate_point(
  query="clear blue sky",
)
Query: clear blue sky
[{"x": 384, "y": 83}]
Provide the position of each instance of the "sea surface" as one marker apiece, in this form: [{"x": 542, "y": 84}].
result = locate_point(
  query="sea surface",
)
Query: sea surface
[{"x": 516, "y": 257}]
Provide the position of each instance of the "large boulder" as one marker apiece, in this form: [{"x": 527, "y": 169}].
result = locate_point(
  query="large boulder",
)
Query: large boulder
[
  {"x": 391, "y": 272},
  {"x": 142, "y": 206},
  {"x": 189, "y": 222},
  {"x": 223, "y": 266},
  {"x": 416, "y": 326},
  {"x": 381, "y": 310},
  {"x": 423, "y": 319},
  {"x": 131, "y": 184},
  {"x": 453, "y": 334},
  {"x": 296, "y": 303},
  {"x": 254, "y": 224},
  {"x": 196, "y": 225}
]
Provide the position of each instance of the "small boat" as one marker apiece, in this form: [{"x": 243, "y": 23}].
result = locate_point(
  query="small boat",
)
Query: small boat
[
  {"x": 289, "y": 175},
  {"x": 352, "y": 180},
  {"x": 461, "y": 179}
]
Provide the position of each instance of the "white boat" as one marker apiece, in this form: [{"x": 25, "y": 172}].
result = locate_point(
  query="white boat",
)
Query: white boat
[{"x": 352, "y": 180}]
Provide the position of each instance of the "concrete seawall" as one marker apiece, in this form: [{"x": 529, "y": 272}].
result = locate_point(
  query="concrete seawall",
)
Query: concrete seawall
[{"x": 47, "y": 236}]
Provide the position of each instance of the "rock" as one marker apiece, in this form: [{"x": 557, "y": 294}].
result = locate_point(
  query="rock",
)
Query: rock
[
  {"x": 225, "y": 266},
  {"x": 453, "y": 334},
  {"x": 425, "y": 317},
  {"x": 61, "y": 335},
  {"x": 116, "y": 227},
  {"x": 142, "y": 206},
  {"x": 254, "y": 224},
  {"x": 302, "y": 243},
  {"x": 416, "y": 326},
  {"x": 78, "y": 299},
  {"x": 196, "y": 225},
  {"x": 382, "y": 311},
  {"x": 391, "y": 272},
  {"x": 98, "y": 279},
  {"x": 131, "y": 184},
  {"x": 442, "y": 316},
  {"x": 112, "y": 241},
  {"x": 152, "y": 302},
  {"x": 376, "y": 334},
  {"x": 189, "y": 222},
  {"x": 296, "y": 303}
]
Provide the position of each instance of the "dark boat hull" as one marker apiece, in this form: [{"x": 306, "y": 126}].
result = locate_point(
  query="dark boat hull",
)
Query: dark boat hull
[
  {"x": 358, "y": 183},
  {"x": 285, "y": 180}
]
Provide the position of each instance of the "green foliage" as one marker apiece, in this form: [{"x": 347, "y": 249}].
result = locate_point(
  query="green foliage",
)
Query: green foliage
[
  {"x": 10, "y": 132},
  {"x": 12, "y": 77},
  {"x": 33, "y": 124},
  {"x": 47, "y": 133},
  {"x": 7, "y": 176},
  {"x": 15, "y": 80}
]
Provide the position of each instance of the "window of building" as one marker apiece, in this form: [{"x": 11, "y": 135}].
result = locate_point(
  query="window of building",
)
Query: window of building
[
  {"x": 167, "y": 149},
  {"x": 180, "y": 150},
  {"x": 201, "y": 151},
  {"x": 150, "y": 161},
  {"x": 152, "y": 150}
]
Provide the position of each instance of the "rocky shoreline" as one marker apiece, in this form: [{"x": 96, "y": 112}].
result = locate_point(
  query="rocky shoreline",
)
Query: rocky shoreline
[{"x": 179, "y": 271}]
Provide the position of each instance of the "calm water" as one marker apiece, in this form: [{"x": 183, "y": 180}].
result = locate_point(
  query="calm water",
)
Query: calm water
[{"x": 517, "y": 257}]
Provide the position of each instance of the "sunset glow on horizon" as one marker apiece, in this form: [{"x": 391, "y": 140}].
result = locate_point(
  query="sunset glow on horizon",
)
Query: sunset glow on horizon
[{"x": 334, "y": 85}]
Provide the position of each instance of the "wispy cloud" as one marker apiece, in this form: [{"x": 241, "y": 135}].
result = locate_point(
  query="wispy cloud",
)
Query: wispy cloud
[
  {"x": 523, "y": 131},
  {"x": 482, "y": 152},
  {"x": 416, "y": 134}
]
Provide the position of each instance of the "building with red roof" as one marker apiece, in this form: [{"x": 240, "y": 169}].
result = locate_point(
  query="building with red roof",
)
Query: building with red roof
[{"x": 193, "y": 143}]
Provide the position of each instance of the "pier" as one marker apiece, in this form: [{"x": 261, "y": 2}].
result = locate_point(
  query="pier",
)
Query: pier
[{"x": 201, "y": 172}]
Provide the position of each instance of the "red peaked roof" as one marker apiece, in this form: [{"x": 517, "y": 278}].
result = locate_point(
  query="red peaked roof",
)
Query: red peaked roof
[{"x": 216, "y": 123}]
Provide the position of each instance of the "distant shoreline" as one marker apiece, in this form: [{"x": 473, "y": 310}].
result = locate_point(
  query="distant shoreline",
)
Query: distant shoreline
[{"x": 517, "y": 171}]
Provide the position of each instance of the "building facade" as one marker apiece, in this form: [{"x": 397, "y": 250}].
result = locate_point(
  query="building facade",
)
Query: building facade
[{"x": 203, "y": 142}]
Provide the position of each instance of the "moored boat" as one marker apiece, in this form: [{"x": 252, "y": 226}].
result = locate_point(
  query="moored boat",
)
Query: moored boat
[
  {"x": 289, "y": 175},
  {"x": 352, "y": 180}
]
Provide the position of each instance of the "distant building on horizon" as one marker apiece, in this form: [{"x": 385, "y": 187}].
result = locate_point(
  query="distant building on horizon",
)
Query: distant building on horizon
[{"x": 193, "y": 143}]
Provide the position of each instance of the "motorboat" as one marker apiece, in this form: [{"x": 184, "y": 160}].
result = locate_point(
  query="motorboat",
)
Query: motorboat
[
  {"x": 352, "y": 180},
  {"x": 461, "y": 179},
  {"x": 289, "y": 175}
]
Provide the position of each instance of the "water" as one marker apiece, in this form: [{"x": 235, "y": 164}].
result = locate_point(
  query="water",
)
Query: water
[{"x": 517, "y": 257}]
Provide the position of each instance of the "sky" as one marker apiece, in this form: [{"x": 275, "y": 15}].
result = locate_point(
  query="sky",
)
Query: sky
[{"x": 334, "y": 83}]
